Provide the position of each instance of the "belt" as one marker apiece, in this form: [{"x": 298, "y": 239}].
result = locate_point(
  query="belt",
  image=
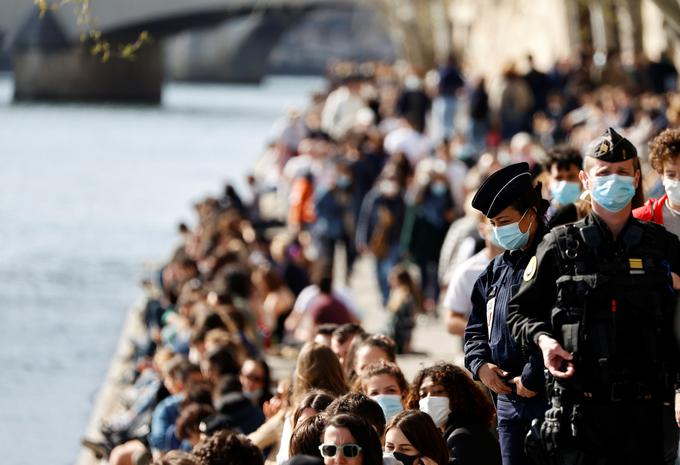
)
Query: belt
[{"x": 621, "y": 392}]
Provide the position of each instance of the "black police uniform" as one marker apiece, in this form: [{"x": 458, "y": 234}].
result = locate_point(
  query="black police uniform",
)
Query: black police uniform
[
  {"x": 487, "y": 336},
  {"x": 610, "y": 303}
]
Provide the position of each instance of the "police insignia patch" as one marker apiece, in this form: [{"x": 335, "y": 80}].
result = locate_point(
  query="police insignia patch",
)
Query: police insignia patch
[
  {"x": 530, "y": 270},
  {"x": 635, "y": 263},
  {"x": 603, "y": 149}
]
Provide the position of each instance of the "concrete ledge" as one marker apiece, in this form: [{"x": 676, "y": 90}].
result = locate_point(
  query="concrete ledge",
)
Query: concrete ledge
[{"x": 108, "y": 398}]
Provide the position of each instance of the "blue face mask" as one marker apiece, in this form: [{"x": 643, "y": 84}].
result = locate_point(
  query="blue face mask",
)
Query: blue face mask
[
  {"x": 343, "y": 182},
  {"x": 510, "y": 237},
  {"x": 390, "y": 405},
  {"x": 438, "y": 188},
  {"x": 565, "y": 192},
  {"x": 612, "y": 192}
]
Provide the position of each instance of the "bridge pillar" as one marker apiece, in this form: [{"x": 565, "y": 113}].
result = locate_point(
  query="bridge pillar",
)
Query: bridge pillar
[
  {"x": 237, "y": 51},
  {"x": 48, "y": 67}
]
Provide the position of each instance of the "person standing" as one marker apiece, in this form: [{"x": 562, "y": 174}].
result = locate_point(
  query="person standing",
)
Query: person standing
[
  {"x": 430, "y": 212},
  {"x": 456, "y": 302},
  {"x": 598, "y": 301},
  {"x": 664, "y": 156},
  {"x": 561, "y": 170},
  {"x": 380, "y": 224},
  {"x": 516, "y": 212},
  {"x": 445, "y": 105},
  {"x": 664, "y": 151}
]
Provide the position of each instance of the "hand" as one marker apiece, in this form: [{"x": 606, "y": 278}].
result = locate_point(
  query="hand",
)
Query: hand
[
  {"x": 271, "y": 407},
  {"x": 676, "y": 281},
  {"x": 677, "y": 409},
  {"x": 491, "y": 375},
  {"x": 551, "y": 430},
  {"x": 556, "y": 359},
  {"x": 521, "y": 390},
  {"x": 424, "y": 461}
]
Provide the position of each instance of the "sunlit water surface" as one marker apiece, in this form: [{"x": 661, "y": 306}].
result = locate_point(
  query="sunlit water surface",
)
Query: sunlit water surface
[{"x": 87, "y": 195}]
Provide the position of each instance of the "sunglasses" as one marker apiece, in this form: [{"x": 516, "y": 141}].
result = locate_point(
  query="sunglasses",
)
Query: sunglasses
[
  {"x": 347, "y": 450},
  {"x": 253, "y": 377}
]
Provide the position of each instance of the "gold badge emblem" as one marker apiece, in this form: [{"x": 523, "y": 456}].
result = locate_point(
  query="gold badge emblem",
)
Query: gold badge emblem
[
  {"x": 635, "y": 263},
  {"x": 603, "y": 149},
  {"x": 530, "y": 270}
]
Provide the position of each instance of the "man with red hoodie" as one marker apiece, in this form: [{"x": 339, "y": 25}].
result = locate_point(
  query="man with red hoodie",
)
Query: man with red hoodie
[{"x": 664, "y": 155}]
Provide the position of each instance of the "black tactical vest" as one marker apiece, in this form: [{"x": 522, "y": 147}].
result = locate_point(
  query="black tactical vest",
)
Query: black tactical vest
[{"x": 614, "y": 309}]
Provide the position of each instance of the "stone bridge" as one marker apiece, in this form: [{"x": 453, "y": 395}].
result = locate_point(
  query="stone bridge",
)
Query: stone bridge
[{"x": 50, "y": 62}]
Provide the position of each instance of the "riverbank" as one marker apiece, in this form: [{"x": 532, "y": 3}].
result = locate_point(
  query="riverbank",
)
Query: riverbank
[{"x": 431, "y": 343}]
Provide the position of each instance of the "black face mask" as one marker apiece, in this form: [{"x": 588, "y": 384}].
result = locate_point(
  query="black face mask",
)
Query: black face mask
[{"x": 405, "y": 459}]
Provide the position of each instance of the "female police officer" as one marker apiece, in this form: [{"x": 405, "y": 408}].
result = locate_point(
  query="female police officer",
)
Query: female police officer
[{"x": 515, "y": 210}]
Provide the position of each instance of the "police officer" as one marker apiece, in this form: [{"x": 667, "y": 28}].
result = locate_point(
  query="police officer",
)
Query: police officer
[
  {"x": 598, "y": 301},
  {"x": 516, "y": 212}
]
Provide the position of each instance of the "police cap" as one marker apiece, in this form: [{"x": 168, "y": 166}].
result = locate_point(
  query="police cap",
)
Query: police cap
[
  {"x": 502, "y": 188},
  {"x": 611, "y": 147}
]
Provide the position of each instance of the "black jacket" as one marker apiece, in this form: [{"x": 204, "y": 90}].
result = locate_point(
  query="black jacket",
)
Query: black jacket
[{"x": 472, "y": 444}]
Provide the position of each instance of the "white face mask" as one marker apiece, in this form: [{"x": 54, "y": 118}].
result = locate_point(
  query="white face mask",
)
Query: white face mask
[
  {"x": 388, "y": 188},
  {"x": 672, "y": 187},
  {"x": 437, "y": 407},
  {"x": 194, "y": 356}
]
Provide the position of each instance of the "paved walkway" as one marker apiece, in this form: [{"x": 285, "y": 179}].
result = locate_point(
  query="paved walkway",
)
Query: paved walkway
[{"x": 431, "y": 342}]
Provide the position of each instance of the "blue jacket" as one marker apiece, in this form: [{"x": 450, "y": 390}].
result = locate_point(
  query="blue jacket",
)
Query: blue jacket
[
  {"x": 331, "y": 215},
  {"x": 368, "y": 218},
  {"x": 490, "y": 296},
  {"x": 164, "y": 417}
]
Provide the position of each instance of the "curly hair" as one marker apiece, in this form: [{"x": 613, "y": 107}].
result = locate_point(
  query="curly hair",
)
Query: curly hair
[
  {"x": 468, "y": 403},
  {"x": 382, "y": 367},
  {"x": 227, "y": 448},
  {"x": 664, "y": 147},
  {"x": 176, "y": 457}
]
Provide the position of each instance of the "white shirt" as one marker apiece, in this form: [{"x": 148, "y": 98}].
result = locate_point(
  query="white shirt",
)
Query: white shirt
[
  {"x": 671, "y": 219},
  {"x": 409, "y": 142},
  {"x": 339, "y": 112},
  {"x": 462, "y": 282},
  {"x": 284, "y": 445}
]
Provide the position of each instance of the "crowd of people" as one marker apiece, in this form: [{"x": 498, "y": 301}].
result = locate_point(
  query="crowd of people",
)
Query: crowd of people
[{"x": 386, "y": 163}]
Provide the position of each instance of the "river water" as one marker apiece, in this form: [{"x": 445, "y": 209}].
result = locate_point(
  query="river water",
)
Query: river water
[{"x": 88, "y": 194}]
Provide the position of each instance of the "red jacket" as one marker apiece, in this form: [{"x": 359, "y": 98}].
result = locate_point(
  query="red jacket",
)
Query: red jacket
[{"x": 651, "y": 211}]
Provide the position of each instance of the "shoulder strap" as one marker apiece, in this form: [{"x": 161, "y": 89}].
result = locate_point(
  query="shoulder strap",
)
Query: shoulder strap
[
  {"x": 575, "y": 242},
  {"x": 567, "y": 245}
]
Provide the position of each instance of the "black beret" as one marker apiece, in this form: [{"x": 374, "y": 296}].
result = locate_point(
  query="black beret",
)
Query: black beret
[
  {"x": 502, "y": 188},
  {"x": 611, "y": 147}
]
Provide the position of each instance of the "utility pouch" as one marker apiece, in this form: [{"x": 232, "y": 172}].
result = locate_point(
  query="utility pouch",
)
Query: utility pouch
[{"x": 570, "y": 337}]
